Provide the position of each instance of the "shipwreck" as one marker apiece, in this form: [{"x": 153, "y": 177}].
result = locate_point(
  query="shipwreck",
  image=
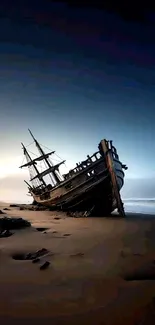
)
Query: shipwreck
[{"x": 93, "y": 185}]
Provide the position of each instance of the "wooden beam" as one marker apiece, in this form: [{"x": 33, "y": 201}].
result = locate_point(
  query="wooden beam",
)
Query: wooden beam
[{"x": 110, "y": 166}]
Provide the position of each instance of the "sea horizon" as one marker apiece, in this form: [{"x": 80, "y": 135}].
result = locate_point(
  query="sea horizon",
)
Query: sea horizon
[{"x": 139, "y": 205}]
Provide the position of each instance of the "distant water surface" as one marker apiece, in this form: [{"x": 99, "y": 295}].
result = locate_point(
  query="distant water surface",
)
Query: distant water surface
[{"x": 145, "y": 206}]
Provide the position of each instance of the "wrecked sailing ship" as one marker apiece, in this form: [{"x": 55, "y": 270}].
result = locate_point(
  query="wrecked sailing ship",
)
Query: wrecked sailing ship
[{"x": 93, "y": 185}]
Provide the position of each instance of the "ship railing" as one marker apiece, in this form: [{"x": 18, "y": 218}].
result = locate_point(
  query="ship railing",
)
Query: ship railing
[
  {"x": 90, "y": 160},
  {"x": 84, "y": 164}
]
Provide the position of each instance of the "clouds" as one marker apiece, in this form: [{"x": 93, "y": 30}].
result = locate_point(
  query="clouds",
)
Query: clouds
[
  {"x": 139, "y": 188},
  {"x": 13, "y": 188},
  {"x": 9, "y": 165}
]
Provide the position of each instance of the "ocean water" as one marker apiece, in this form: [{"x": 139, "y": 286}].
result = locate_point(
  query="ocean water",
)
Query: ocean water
[{"x": 145, "y": 206}]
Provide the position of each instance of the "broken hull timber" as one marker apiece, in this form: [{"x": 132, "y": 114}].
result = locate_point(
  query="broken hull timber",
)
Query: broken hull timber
[{"x": 91, "y": 188}]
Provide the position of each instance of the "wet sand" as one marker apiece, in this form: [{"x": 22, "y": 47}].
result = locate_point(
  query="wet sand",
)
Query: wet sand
[{"x": 90, "y": 279}]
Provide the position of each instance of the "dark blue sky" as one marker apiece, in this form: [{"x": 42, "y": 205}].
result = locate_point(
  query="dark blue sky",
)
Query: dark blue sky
[{"x": 76, "y": 76}]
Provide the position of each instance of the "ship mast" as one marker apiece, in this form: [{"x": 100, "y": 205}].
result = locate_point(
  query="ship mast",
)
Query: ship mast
[
  {"x": 31, "y": 163},
  {"x": 51, "y": 168}
]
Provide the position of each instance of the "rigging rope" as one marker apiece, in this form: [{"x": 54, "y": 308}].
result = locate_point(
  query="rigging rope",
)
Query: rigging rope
[
  {"x": 55, "y": 155},
  {"x": 29, "y": 144},
  {"x": 23, "y": 161},
  {"x": 50, "y": 150},
  {"x": 32, "y": 153}
]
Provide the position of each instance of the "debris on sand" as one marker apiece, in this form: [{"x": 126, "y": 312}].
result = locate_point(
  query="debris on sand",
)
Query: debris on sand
[
  {"x": 1, "y": 212},
  {"x": 37, "y": 254},
  {"x": 36, "y": 260},
  {"x": 30, "y": 207},
  {"x": 78, "y": 214},
  {"x": 7, "y": 209},
  {"x": 13, "y": 223},
  {"x": 5, "y": 233},
  {"x": 40, "y": 208},
  {"x": 77, "y": 255},
  {"x": 45, "y": 265},
  {"x": 31, "y": 255}
]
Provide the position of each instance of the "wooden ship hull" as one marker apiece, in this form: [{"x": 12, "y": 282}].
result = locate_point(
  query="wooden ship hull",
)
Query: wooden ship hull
[{"x": 93, "y": 185}]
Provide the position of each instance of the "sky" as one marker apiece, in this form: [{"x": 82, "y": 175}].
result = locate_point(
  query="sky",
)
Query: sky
[{"x": 76, "y": 76}]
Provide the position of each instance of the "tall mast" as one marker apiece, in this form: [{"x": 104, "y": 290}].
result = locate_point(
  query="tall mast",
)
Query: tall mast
[
  {"x": 45, "y": 157},
  {"x": 39, "y": 147},
  {"x": 32, "y": 162}
]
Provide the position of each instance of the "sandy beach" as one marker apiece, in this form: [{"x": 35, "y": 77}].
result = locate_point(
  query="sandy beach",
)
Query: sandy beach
[{"x": 90, "y": 279}]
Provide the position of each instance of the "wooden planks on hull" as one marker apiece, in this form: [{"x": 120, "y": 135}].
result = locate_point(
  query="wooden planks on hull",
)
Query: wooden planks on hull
[{"x": 94, "y": 194}]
